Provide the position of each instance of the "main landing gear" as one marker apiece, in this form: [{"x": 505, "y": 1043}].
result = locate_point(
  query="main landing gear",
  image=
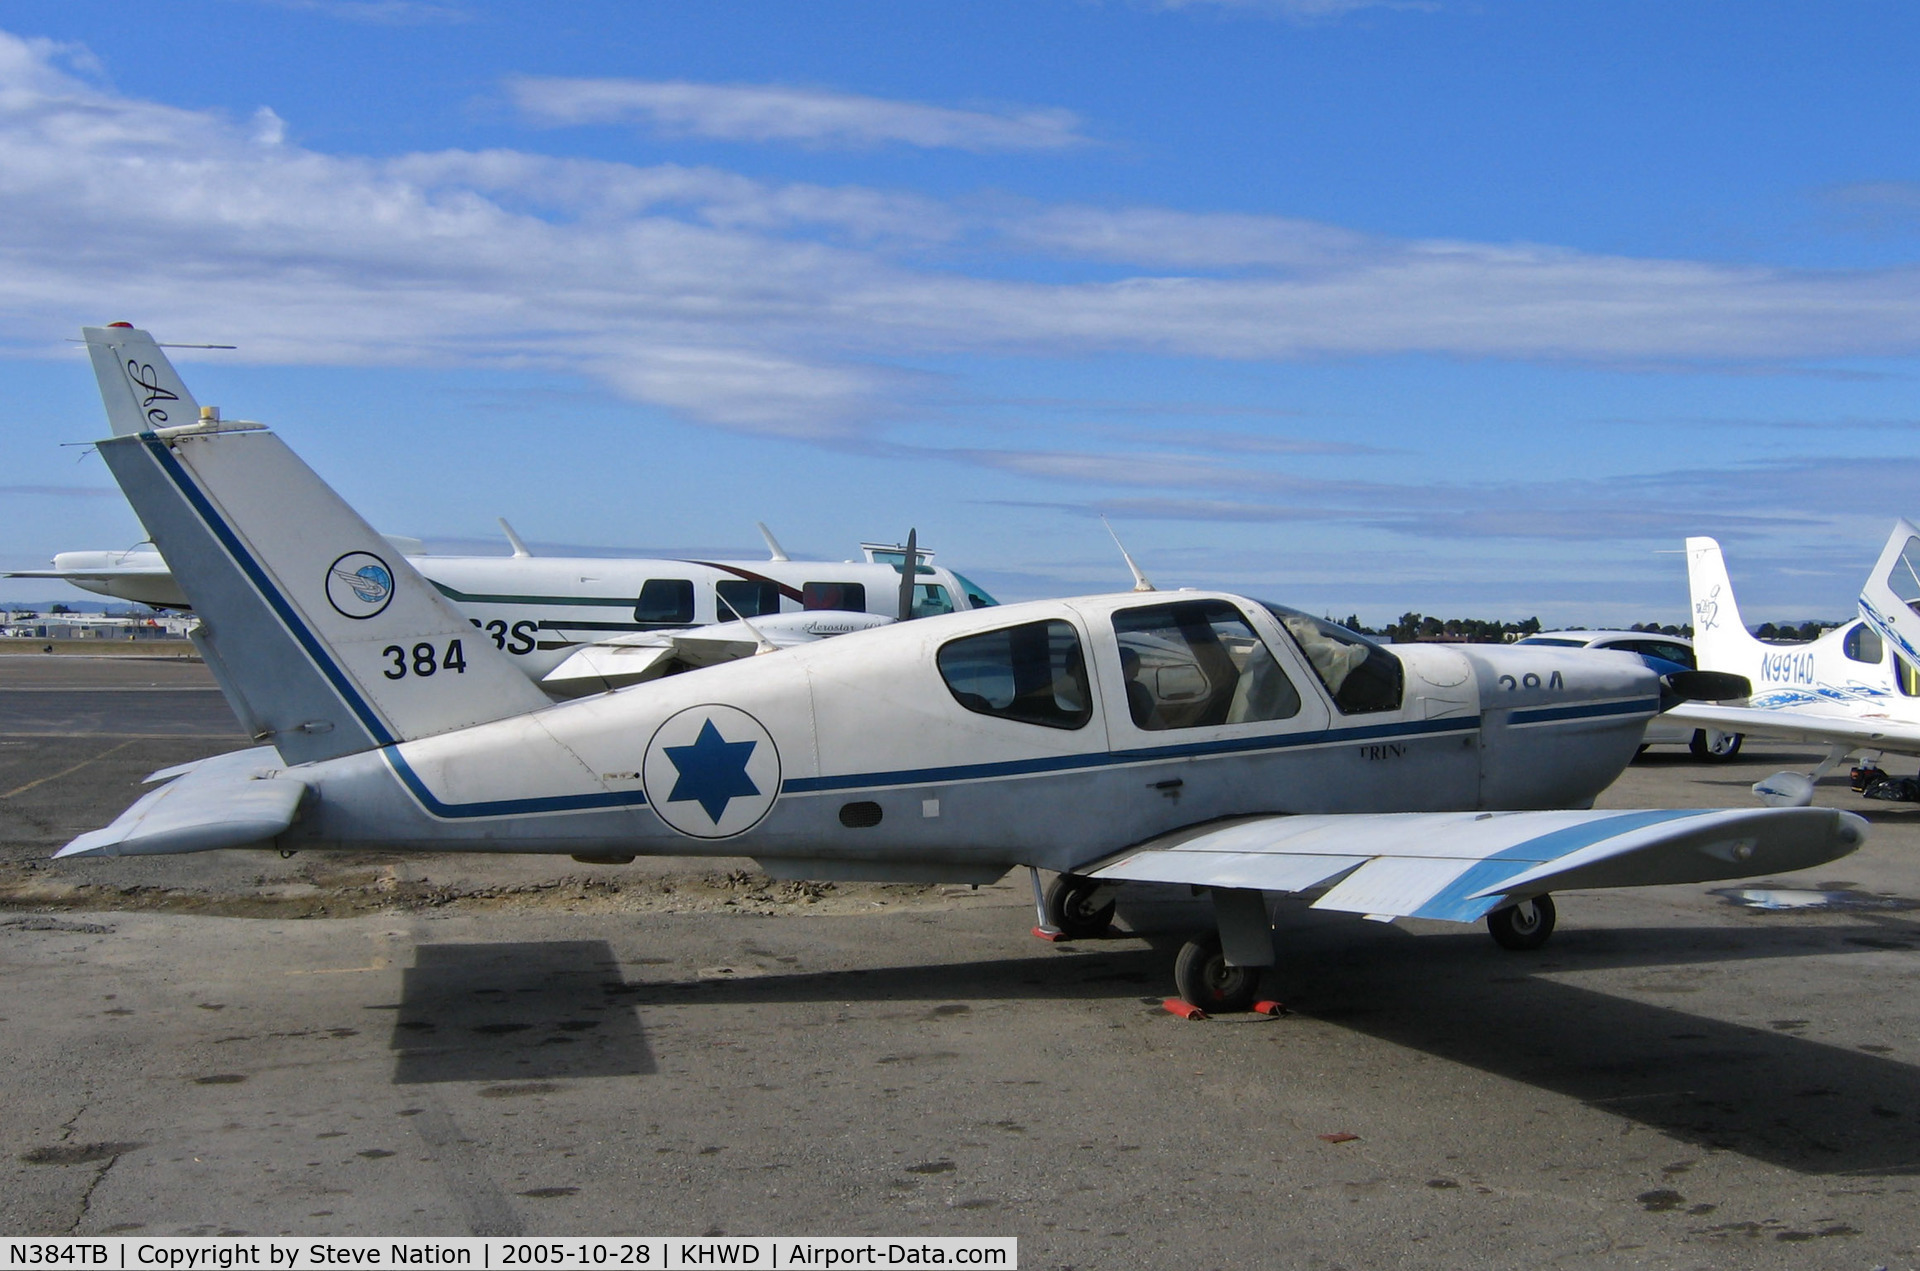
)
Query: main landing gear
[
  {"x": 1523, "y": 925},
  {"x": 1204, "y": 978}
]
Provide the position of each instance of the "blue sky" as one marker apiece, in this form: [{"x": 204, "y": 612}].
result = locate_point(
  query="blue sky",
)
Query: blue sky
[{"x": 1468, "y": 308}]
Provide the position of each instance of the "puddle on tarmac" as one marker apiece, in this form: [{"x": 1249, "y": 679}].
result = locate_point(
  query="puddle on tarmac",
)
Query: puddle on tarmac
[{"x": 1775, "y": 899}]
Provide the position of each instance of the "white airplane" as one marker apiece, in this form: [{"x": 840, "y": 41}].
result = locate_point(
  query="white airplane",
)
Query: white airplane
[
  {"x": 568, "y": 622},
  {"x": 1855, "y": 690},
  {"x": 1194, "y": 738}
]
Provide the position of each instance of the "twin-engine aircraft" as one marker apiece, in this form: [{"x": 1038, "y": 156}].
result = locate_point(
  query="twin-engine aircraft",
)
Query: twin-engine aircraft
[
  {"x": 575, "y": 624},
  {"x": 1855, "y": 690},
  {"x": 1192, "y": 738}
]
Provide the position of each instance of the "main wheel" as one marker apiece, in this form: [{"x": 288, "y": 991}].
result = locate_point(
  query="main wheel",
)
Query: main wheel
[
  {"x": 1204, "y": 979},
  {"x": 1522, "y": 926},
  {"x": 1071, "y": 911},
  {"x": 1714, "y": 746}
]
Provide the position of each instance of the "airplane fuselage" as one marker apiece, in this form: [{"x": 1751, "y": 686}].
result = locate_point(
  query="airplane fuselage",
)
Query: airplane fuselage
[{"x": 858, "y": 757}]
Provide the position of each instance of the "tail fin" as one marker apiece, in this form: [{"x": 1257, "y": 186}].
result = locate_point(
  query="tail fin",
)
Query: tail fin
[
  {"x": 325, "y": 639},
  {"x": 1721, "y": 642},
  {"x": 140, "y": 387}
]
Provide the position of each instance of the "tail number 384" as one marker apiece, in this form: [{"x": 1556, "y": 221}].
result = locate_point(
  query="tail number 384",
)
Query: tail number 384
[{"x": 423, "y": 659}]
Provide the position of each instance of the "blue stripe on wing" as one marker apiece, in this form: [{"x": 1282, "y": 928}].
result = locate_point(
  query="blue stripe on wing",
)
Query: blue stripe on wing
[{"x": 1456, "y": 902}]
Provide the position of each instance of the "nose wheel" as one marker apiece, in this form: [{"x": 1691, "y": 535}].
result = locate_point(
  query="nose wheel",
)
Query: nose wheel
[
  {"x": 1204, "y": 979},
  {"x": 1075, "y": 909},
  {"x": 1523, "y": 925}
]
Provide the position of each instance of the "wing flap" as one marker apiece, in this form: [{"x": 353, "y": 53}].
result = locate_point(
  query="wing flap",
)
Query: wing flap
[
  {"x": 1260, "y": 871},
  {"x": 1460, "y": 865}
]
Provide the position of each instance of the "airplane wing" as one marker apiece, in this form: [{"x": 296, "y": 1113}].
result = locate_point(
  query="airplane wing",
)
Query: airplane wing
[
  {"x": 142, "y": 586},
  {"x": 240, "y": 799},
  {"x": 1462, "y": 865},
  {"x": 1812, "y": 726}
]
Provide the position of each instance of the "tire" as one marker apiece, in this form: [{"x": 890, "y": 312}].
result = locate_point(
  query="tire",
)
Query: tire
[
  {"x": 1522, "y": 926},
  {"x": 1203, "y": 978},
  {"x": 1070, "y": 910},
  {"x": 1714, "y": 747}
]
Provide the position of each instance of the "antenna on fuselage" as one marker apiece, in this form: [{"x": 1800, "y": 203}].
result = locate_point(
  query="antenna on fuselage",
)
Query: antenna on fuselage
[
  {"x": 1140, "y": 580},
  {"x": 519, "y": 548},
  {"x": 774, "y": 550}
]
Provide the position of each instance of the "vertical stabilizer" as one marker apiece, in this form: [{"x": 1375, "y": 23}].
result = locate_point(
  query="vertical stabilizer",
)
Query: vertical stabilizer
[
  {"x": 141, "y": 389},
  {"x": 325, "y": 638},
  {"x": 1721, "y": 642}
]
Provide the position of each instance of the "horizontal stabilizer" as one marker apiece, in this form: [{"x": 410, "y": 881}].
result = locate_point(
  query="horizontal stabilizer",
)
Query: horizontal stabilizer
[
  {"x": 241, "y": 799},
  {"x": 1461, "y": 865}
]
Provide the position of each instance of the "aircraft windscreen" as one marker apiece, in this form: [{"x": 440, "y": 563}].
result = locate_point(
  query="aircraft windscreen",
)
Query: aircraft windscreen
[
  {"x": 1361, "y": 676},
  {"x": 977, "y": 595}
]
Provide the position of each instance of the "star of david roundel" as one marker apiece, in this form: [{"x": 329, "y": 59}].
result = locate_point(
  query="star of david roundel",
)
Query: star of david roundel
[{"x": 711, "y": 772}]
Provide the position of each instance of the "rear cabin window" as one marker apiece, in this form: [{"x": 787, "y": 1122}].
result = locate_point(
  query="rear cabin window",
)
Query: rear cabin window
[
  {"x": 1034, "y": 673},
  {"x": 1197, "y": 663},
  {"x": 1361, "y": 676},
  {"x": 746, "y": 598},
  {"x": 668, "y": 601},
  {"x": 848, "y": 596},
  {"x": 1863, "y": 644}
]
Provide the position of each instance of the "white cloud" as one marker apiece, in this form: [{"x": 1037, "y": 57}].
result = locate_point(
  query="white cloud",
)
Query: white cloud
[
  {"x": 764, "y": 112},
  {"x": 788, "y": 309}
]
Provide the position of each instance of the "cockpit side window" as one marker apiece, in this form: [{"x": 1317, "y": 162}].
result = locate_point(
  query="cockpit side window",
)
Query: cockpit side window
[
  {"x": 1035, "y": 673},
  {"x": 1361, "y": 676},
  {"x": 1196, "y": 663}
]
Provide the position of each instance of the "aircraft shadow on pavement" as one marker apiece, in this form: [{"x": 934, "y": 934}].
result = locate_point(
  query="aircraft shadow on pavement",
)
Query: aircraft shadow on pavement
[
  {"x": 1765, "y": 1093},
  {"x": 515, "y": 1012}
]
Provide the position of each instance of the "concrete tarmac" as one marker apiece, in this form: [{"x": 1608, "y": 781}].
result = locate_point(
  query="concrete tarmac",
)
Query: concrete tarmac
[{"x": 500, "y": 1046}]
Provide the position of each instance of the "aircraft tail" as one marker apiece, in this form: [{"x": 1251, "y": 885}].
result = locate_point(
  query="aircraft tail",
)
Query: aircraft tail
[
  {"x": 1721, "y": 642},
  {"x": 140, "y": 387},
  {"x": 325, "y": 639}
]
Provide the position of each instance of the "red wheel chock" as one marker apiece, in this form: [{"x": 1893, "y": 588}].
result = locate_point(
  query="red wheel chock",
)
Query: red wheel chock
[
  {"x": 1185, "y": 1010},
  {"x": 1269, "y": 1008},
  {"x": 1050, "y": 935}
]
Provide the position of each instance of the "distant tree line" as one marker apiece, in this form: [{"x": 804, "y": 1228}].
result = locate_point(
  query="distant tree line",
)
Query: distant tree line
[
  {"x": 1415, "y": 627},
  {"x": 1786, "y": 633}
]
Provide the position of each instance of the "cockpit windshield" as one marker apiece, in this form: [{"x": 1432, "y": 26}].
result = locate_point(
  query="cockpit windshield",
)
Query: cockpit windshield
[
  {"x": 1361, "y": 676},
  {"x": 977, "y": 597}
]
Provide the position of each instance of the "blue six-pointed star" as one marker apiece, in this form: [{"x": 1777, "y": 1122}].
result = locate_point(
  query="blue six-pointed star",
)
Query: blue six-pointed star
[{"x": 712, "y": 771}]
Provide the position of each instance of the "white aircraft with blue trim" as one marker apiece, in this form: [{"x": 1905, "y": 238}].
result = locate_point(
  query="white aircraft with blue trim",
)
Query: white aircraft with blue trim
[
  {"x": 1198, "y": 739},
  {"x": 576, "y": 624},
  {"x": 1855, "y": 690}
]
